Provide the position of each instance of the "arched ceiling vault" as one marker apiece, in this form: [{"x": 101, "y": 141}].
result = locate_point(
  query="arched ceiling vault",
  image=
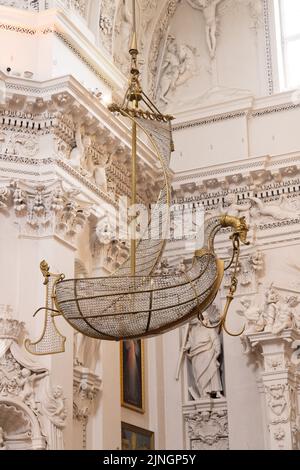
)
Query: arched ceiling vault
[
  {"x": 195, "y": 34},
  {"x": 115, "y": 26}
]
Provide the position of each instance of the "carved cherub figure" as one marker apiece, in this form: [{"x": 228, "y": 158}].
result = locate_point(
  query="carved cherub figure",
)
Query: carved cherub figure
[
  {"x": 272, "y": 299},
  {"x": 257, "y": 261},
  {"x": 54, "y": 406},
  {"x": 26, "y": 380},
  {"x": 284, "y": 318},
  {"x": 233, "y": 208},
  {"x": 253, "y": 316}
]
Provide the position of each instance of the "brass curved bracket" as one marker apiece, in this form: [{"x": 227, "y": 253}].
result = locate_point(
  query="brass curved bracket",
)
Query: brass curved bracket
[
  {"x": 51, "y": 340},
  {"x": 222, "y": 323}
]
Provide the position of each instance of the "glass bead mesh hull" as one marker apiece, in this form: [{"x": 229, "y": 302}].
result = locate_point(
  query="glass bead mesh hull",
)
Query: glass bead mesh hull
[{"x": 116, "y": 308}]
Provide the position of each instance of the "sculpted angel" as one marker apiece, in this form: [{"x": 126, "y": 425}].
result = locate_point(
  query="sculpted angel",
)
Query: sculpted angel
[
  {"x": 253, "y": 315},
  {"x": 277, "y": 210},
  {"x": 26, "y": 380},
  {"x": 54, "y": 406},
  {"x": 233, "y": 208}
]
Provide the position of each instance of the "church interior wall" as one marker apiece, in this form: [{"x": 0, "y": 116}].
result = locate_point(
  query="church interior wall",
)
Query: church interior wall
[{"x": 235, "y": 133}]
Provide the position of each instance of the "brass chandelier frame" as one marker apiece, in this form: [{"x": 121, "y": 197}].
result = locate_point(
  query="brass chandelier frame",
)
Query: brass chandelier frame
[{"x": 102, "y": 307}]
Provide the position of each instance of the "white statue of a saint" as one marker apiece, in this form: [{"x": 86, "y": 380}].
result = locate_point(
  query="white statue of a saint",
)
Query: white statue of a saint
[{"x": 204, "y": 348}]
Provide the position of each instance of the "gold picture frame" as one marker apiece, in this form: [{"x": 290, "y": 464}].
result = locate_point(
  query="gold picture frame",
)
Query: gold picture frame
[
  {"x": 132, "y": 374},
  {"x": 134, "y": 438}
]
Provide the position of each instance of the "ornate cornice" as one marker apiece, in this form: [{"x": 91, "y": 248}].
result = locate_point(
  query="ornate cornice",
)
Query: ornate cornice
[
  {"x": 208, "y": 120},
  {"x": 275, "y": 109},
  {"x": 69, "y": 89},
  {"x": 268, "y": 48},
  {"x": 238, "y": 167},
  {"x": 250, "y": 113}
]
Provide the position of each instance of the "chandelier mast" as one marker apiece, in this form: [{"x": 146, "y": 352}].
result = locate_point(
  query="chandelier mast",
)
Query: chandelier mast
[{"x": 134, "y": 96}]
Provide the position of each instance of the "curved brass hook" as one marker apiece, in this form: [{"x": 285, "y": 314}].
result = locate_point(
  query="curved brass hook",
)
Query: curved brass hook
[
  {"x": 224, "y": 318},
  {"x": 50, "y": 310},
  {"x": 209, "y": 327},
  {"x": 240, "y": 234}
]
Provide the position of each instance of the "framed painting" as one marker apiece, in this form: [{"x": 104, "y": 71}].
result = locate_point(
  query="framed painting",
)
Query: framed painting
[
  {"x": 132, "y": 374},
  {"x": 134, "y": 438}
]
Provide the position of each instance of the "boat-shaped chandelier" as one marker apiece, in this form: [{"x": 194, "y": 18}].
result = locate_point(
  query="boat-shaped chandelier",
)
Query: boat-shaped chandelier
[{"x": 134, "y": 302}]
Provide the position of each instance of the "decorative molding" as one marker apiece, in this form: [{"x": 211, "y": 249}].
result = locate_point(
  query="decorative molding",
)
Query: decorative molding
[
  {"x": 18, "y": 29},
  {"x": 26, "y": 160},
  {"x": 107, "y": 155},
  {"x": 279, "y": 378},
  {"x": 235, "y": 115},
  {"x": 86, "y": 387},
  {"x": 86, "y": 182},
  {"x": 43, "y": 208},
  {"x": 64, "y": 38},
  {"x": 275, "y": 109},
  {"x": 22, "y": 4},
  {"x": 268, "y": 48},
  {"x": 206, "y": 425},
  {"x": 106, "y": 23},
  {"x": 158, "y": 36},
  {"x": 82, "y": 57},
  {"x": 234, "y": 168},
  {"x": 209, "y": 120}
]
